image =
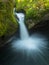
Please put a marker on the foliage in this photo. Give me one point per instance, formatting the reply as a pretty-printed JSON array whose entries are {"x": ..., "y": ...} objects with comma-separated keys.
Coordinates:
[
  {"x": 35, "y": 9},
  {"x": 8, "y": 23}
]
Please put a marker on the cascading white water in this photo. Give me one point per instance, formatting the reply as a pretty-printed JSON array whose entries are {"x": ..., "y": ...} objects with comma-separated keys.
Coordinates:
[
  {"x": 23, "y": 31},
  {"x": 29, "y": 44}
]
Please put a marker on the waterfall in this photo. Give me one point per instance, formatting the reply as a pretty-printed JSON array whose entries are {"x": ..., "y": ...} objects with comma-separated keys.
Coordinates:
[
  {"x": 23, "y": 30},
  {"x": 28, "y": 44}
]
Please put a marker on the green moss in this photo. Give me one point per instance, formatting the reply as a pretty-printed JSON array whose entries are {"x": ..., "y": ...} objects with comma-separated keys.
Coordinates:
[
  {"x": 8, "y": 23},
  {"x": 35, "y": 9}
]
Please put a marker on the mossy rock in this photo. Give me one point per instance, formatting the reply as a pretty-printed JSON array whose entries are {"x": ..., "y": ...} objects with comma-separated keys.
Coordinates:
[
  {"x": 35, "y": 10},
  {"x": 8, "y": 23}
]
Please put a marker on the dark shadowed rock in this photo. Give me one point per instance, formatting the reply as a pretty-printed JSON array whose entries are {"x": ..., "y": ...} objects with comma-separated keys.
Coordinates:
[{"x": 42, "y": 26}]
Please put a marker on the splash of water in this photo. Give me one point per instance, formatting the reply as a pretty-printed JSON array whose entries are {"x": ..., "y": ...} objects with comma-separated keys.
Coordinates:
[
  {"x": 34, "y": 46},
  {"x": 26, "y": 42}
]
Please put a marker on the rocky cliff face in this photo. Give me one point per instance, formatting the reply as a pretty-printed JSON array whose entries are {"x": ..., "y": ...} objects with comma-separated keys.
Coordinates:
[{"x": 42, "y": 26}]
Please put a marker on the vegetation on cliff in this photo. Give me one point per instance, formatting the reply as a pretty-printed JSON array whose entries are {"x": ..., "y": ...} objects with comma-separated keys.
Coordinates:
[
  {"x": 8, "y": 24},
  {"x": 35, "y": 10}
]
